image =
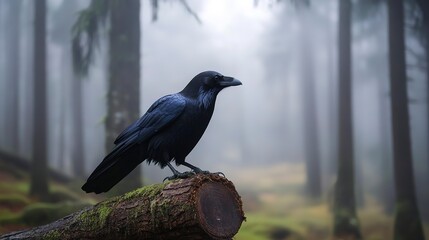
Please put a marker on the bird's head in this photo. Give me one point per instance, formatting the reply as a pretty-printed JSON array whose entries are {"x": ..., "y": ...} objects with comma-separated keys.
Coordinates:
[{"x": 207, "y": 84}]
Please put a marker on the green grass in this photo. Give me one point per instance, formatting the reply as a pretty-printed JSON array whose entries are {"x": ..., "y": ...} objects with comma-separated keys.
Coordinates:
[
  {"x": 7, "y": 217},
  {"x": 14, "y": 200},
  {"x": 18, "y": 210},
  {"x": 21, "y": 187},
  {"x": 274, "y": 202}
]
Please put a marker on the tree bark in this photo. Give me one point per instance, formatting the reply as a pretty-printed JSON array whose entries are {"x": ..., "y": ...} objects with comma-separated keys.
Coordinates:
[
  {"x": 425, "y": 9},
  {"x": 205, "y": 206},
  {"x": 123, "y": 100},
  {"x": 407, "y": 219},
  {"x": 13, "y": 69},
  {"x": 39, "y": 174},
  {"x": 63, "y": 18},
  {"x": 386, "y": 195},
  {"x": 78, "y": 157},
  {"x": 346, "y": 223},
  {"x": 311, "y": 134}
]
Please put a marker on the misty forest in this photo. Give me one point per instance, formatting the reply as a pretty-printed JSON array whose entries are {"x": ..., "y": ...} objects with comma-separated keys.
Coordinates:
[{"x": 327, "y": 138}]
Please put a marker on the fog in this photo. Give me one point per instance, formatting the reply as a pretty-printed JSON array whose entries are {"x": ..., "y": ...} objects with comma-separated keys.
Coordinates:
[{"x": 284, "y": 52}]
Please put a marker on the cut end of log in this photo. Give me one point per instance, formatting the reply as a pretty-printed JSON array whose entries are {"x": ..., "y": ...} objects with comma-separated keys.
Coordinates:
[
  {"x": 214, "y": 201},
  {"x": 220, "y": 212}
]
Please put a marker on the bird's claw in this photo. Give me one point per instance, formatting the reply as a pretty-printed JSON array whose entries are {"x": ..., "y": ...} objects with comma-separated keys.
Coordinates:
[
  {"x": 220, "y": 174},
  {"x": 197, "y": 171},
  {"x": 179, "y": 176}
]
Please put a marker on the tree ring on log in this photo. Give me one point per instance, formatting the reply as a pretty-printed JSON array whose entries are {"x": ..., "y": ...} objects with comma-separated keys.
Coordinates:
[{"x": 219, "y": 210}]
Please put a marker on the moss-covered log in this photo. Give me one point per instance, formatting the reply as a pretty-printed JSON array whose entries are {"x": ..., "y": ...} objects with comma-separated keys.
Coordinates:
[{"x": 204, "y": 206}]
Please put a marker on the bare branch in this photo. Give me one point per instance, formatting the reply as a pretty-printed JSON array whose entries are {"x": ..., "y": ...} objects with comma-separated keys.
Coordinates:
[{"x": 190, "y": 11}]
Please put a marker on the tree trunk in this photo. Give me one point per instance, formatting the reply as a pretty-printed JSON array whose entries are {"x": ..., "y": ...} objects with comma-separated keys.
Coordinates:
[
  {"x": 332, "y": 108},
  {"x": 426, "y": 16},
  {"x": 62, "y": 114},
  {"x": 123, "y": 100},
  {"x": 12, "y": 55},
  {"x": 39, "y": 173},
  {"x": 27, "y": 114},
  {"x": 63, "y": 18},
  {"x": 424, "y": 7},
  {"x": 311, "y": 136},
  {"x": 78, "y": 161},
  {"x": 386, "y": 193},
  {"x": 345, "y": 219},
  {"x": 200, "y": 207},
  {"x": 407, "y": 218},
  {"x": 68, "y": 15}
]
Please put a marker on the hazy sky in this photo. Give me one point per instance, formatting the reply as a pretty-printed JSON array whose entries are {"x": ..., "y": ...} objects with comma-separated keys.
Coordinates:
[
  {"x": 261, "y": 46},
  {"x": 177, "y": 47}
]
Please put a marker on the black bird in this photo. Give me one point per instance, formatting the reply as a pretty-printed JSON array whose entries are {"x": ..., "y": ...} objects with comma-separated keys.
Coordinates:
[{"x": 168, "y": 131}]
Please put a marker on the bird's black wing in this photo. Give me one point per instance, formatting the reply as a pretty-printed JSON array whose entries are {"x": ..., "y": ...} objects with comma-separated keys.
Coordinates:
[
  {"x": 124, "y": 157},
  {"x": 160, "y": 114}
]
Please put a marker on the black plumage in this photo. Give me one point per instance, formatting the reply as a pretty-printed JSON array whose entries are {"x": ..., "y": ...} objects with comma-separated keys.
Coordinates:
[{"x": 168, "y": 131}]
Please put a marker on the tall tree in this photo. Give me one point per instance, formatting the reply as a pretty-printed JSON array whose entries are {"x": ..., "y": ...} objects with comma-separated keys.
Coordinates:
[
  {"x": 407, "y": 218},
  {"x": 346, "y": 223},
  {"x": 64, "y": 18},
  {"x": 39, "y": 173},
  {"x": 311, "y": 136},
  {"x": 12, "y": 78},
  {"x": 423, "y": 28},
  {"x": 386, "y": 193},
  {"x": 373, "y": 11},
  {"x": 123, "y": 95}
]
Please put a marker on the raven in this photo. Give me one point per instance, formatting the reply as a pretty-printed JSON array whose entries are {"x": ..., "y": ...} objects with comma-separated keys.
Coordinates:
[{"x": 168, "y": 131}]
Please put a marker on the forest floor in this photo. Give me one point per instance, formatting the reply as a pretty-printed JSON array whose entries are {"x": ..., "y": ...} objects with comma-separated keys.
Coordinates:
[
  {"x": 276, "y": 208},
  {"x": 20, "y": 211},
  {"x": 273, "y": 198}
]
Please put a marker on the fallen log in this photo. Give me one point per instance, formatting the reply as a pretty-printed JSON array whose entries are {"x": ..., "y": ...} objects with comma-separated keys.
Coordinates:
[
  {"x": 204, "y": 206},
  {"x": 25, "y": 165}
]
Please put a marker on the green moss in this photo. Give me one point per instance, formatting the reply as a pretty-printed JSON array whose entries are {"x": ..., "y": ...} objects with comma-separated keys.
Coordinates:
[
  {"x": 145, "y": 192},
  {"x": 7, "y": 217},
  {"x": 15, "y": 187},
  {"x": 407, "y": 221},
  {"x": 96, "y": 217},
  {"x": 52, "y": 235},
  {"x": 346, "y": 223},
  {"x": 23, "y": 187},
  {"x": 261, "y": 226},
  {"x": 159, "y": 210}
]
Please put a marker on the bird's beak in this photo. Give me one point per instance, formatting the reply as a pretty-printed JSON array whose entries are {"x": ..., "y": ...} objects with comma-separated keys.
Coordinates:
[{"x": 229, "y": 81}]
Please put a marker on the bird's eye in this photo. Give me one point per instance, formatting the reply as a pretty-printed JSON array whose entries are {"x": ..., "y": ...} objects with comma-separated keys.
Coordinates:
[{"x": 217, "y": 77}]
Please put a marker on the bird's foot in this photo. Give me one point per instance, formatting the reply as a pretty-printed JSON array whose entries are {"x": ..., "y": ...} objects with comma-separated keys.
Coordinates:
[
  {"x": 179, "y": 175},
  {"x": 198, "y": 170},
  {"x": 220, "y": 174}
]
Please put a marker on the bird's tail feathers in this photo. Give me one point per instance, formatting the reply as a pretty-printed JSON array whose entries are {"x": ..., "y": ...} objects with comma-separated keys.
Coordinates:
[{"x": 114, "y": 167}]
